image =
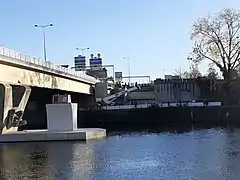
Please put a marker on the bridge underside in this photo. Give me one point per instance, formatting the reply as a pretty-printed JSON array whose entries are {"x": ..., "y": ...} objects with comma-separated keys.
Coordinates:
[
  {"x": 35, "y": 112},
  {"x": 23, "y": 107}
]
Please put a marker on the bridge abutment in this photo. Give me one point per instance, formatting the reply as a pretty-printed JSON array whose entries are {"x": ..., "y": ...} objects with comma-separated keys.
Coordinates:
[{"x": 13, "y": 100}]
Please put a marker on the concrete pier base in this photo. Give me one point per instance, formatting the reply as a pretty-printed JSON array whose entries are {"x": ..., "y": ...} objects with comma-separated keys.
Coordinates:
[
  {"x": 45, "y": 135},
  {"x": 62, "y": 126}
]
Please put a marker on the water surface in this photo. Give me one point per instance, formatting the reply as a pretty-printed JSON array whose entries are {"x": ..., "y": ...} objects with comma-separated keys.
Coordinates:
[{"x": 199, "y": 154}]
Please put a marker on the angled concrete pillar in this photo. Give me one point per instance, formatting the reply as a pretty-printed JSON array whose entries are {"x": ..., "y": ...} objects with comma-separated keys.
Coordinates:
[{"x": 13, "y": 100}]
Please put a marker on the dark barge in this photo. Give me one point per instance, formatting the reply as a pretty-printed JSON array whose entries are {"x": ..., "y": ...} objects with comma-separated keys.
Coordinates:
[{"x": 159, "y": 116}]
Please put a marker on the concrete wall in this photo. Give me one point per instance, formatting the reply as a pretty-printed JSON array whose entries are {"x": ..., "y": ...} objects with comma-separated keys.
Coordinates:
[
  {"x": 175, "y": 90},
  {"x": 13, "y": 74},
  {"x": 141, "y": 95}
]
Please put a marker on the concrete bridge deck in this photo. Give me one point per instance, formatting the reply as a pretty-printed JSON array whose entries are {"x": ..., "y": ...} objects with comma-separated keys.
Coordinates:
[{"x": 16, "y": 67}]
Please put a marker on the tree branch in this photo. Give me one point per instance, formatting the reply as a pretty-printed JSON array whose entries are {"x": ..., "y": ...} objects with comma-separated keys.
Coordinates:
[
  {"x": 236, "y": 60},
  {"x": 234, "y": 48},
  {"x": 230, "y": 41},
  {"x": 218, "y": 43},
  {"x": 238, "y": 28},
  {"x": 214, "y": 61},
  {"x": 216, "y": 39},
  {"x": 223, "y": 49}
]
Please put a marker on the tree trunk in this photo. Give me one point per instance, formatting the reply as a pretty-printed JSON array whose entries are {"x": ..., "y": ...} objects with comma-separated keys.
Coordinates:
[{"x": 226, "y": 87}]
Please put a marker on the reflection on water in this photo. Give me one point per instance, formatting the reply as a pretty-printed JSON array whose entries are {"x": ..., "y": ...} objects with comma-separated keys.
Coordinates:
[{"x": 198, "y": 154}]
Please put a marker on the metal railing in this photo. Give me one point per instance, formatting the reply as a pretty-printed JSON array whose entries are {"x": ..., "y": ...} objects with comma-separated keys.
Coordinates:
[{"x": 26, "y": 60}]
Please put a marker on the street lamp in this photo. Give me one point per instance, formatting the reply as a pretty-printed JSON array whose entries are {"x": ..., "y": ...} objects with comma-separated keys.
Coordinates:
[
  {"x": 128, "y": 58},
  {"x": 44, "y": 39},
  {"x": 189, "y": 60},
  {"x": 82, "y": 49}
]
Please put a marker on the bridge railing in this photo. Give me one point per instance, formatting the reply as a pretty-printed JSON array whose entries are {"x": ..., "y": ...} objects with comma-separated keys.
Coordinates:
[{"x": 46, "y": 65}]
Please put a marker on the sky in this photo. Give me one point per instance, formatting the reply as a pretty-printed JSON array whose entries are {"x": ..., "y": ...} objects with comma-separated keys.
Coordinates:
[{"x": 153, "y": 33}]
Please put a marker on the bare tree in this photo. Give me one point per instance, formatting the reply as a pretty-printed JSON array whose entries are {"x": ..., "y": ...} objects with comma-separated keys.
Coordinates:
[
  {"x": 193, "y": 72},
  {"x": 180, "y": 73},
  {"x": 212, "y": 73},
  {"x": 216, "y": 38}
]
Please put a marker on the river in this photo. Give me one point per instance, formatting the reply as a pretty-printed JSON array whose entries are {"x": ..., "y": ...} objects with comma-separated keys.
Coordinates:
[{"x": 204, "y": 154}]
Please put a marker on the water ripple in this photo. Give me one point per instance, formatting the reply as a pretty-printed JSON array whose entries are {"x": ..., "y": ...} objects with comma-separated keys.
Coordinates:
[{"x": 198, "y": 154}]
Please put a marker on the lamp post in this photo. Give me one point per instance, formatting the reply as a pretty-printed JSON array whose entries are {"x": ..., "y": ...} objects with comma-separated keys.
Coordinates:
[
  {"x": 128, "y": 58},
  {"x": 44, "y": 38},
  {"x": 189, "y": 62},
  {"x": 82, "y": 49}
]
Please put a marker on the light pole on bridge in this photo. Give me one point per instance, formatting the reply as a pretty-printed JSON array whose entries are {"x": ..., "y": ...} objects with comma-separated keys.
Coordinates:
[{"x": 44, "y": 38}]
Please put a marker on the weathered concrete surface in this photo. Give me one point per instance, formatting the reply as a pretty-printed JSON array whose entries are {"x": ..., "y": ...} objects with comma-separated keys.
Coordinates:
[
  {"x": 62, "y": 117},
  {"x": 18, "y": 67},
  {"x": 13, "y": 74},
  {"x": 13, "y": 101},
  {"x": 44, "y": 135}
]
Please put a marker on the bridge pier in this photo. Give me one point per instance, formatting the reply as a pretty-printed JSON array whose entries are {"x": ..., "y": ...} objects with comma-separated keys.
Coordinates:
[{"x": 13, "y": 100}]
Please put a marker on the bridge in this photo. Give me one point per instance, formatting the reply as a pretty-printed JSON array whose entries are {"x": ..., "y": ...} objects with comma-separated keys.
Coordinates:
[
  {"x": 16, "y": 67},
  {"x": 26, "y": 81}
]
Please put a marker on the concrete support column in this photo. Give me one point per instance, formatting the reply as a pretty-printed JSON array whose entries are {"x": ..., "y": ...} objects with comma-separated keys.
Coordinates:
[
  {"x": 62, "y": 117},
  {"x": 13, "y": 101}
]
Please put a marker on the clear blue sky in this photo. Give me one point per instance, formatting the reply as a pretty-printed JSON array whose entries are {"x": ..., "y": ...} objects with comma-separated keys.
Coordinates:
[{"x": 154, "y": 33}]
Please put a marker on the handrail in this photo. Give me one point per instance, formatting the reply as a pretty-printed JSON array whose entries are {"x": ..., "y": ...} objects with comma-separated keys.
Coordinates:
[{"x": 17, "y": 56}]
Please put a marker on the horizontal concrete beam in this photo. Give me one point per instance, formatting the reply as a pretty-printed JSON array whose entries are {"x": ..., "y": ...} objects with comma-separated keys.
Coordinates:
[
  {"x": 18, "y": 75},
  {"x": 13, "y": 57}
]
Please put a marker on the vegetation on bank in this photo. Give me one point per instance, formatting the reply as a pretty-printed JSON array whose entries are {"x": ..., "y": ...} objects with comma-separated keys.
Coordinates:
[{"x": 216, "y": 40}]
